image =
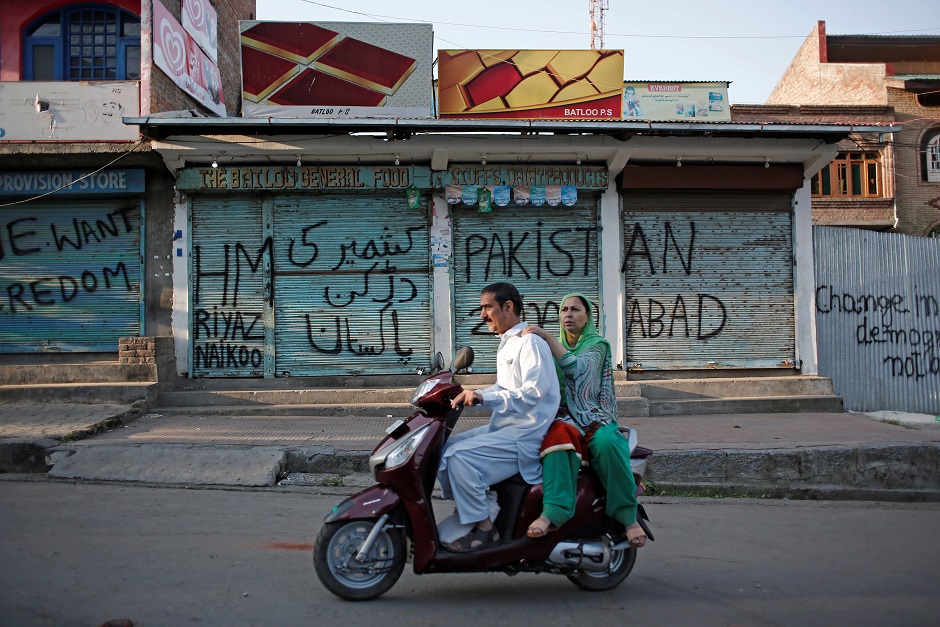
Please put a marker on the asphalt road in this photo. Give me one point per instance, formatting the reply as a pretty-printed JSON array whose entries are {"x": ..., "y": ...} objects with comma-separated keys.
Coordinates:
[{"x": 82, "y": 554}]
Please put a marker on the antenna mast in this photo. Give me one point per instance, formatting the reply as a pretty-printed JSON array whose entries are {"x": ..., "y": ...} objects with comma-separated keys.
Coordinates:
[{"x": 596, "y": 10}]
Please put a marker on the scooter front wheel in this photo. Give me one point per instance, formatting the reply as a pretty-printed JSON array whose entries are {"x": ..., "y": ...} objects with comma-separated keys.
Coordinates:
[
  {"x": 621, "y": 563},
  {"x": 334, "y": 559}
]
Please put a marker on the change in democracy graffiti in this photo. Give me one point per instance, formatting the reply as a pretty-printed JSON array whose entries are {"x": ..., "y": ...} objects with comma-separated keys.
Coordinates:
[{"x": 906, "y": 326}]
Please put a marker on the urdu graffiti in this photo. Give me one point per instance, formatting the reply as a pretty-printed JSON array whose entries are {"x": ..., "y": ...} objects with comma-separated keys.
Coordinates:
[{"x": 336, "y": 298}]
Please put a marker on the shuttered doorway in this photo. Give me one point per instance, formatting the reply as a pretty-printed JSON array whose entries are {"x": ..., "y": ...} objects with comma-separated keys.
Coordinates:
[
  {"x": 352, "y": 283},
  {"x": 230, "y": 283},
  {"x": 708, "y": 280},
  {"x": 544, "y": 251},
  {"x": 70, "y": 273}
]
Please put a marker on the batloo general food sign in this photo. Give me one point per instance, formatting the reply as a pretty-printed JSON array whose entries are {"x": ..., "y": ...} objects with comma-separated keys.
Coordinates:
[
  {"x": 531, "y": 84},
  {"x": 336, "y": 69}
]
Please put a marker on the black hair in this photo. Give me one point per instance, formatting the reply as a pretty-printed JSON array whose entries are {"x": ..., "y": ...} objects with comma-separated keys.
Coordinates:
[{"x": 503, "y": 292}]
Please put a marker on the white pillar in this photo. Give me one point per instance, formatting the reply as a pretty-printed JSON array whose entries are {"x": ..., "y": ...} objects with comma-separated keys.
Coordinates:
[
  {"x": 179, "y": 318},
  {"x": 612, "y": 296},
  {"x": 442, "y": 235},
  {"x": 804, "y": 279}
]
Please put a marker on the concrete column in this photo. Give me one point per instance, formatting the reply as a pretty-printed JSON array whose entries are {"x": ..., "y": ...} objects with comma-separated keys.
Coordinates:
[
  {"x": 442, "y": 284},
  {"x": 179, "y": 318},
  {"x": 804, "y": 281},
  {"x": 612, "y": 294}
]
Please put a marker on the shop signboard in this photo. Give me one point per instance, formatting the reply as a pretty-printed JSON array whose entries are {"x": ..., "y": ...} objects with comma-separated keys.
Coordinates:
[
  {"x": 68, "y": 111},
  {"x": 336, "y": 69},
  {"x": 202, "y": 22},
  {"x": 663, "y": 102},
  {"x": 530, "y": 84},
  {"x": 178, "y": 55}
]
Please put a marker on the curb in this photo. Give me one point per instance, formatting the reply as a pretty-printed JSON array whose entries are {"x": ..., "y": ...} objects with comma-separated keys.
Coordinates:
[{"x": 882, "y": 472}]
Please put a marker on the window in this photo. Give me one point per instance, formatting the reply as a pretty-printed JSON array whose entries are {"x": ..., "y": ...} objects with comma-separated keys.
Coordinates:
[
  {"x": 932, "y": 159},
  {"x": 89, "y": 43},
  {"x": 850, "y": 175}
]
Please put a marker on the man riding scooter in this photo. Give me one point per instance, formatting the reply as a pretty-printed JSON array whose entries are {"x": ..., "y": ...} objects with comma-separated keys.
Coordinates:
[{"x": 524, "y": 402}]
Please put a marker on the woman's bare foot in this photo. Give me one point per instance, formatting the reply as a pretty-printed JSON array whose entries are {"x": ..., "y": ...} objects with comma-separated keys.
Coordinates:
[
  {"x": 636, "y": 536},
  {"x": 539, "y": 527}
]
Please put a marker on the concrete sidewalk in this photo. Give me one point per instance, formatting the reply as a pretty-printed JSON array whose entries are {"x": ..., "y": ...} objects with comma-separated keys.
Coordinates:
[{"x": 808, "y": 455}]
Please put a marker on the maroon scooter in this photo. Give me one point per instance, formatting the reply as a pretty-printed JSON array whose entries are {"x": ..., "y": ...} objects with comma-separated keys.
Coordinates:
[{"x": 365, "y": 541}]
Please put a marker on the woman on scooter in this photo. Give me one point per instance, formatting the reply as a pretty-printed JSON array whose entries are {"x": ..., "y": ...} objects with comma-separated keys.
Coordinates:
[{"x": 583, "y": 362}]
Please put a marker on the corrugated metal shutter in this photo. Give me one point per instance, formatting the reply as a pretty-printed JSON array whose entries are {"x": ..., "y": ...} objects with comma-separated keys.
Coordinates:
[
  {"x": 878, "y": 318},
  {"x": 70, "y": 275},
  {"x": 708, "y": 280},
  {"x": 544, "y": 251},
  {"x": 230, "y": 268},
  {"x": 353, "y": 285}
]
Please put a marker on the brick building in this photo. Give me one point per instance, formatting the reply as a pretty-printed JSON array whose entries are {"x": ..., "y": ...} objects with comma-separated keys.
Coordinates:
[
  {"x": 86, "y": 205},
  {"x": 884, "y": 181}
]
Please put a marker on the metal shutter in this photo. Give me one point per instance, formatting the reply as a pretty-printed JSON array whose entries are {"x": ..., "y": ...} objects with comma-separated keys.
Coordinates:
[
  {"x": 353, "y": 285},
  {"x": 708, "y": 280},
  {"x": 230, "y": 267},
  {"x": 70, "y": 273},
  {"x": 544, "y": 251}
]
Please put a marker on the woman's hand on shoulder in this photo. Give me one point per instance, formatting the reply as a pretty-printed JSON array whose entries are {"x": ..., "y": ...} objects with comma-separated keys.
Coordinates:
[{"x": 539, "y": 331}]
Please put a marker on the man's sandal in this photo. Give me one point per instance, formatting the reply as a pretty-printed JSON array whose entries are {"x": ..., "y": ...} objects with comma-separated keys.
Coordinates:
[{"x": 473, "y": 541}]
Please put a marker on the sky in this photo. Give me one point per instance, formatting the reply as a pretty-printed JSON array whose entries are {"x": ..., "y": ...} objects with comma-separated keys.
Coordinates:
[{"x": 747, "y": 42}]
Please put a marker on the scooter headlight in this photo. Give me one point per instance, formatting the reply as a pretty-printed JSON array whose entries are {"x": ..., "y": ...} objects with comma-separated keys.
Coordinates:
[
  {"x": 423, "y": 388},
  {"x": 404, "y": 449}
]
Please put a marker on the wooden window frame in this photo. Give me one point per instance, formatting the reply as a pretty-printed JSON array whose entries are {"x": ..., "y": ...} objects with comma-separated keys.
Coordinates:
[{"x": 856, "y": 174}]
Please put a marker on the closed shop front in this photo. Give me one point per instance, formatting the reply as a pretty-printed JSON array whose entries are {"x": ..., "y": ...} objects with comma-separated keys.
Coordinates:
[
  {"x": 546, "y": 251},
  {"x": 309, "y": 271},
  {"x": 70, "y": 262},
  {"x": 708, "y": 279}
]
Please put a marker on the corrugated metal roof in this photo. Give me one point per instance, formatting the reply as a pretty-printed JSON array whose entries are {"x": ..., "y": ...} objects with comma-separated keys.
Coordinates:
[{"x": 916, "y": 77}]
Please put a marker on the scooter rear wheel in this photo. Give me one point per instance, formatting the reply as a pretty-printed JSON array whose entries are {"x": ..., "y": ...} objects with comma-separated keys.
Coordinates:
[
  {"x": 334, "y": 559},
  {"x": 621, "y": 563}
]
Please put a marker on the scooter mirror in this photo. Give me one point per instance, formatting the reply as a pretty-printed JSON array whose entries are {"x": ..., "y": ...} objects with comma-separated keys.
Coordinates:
[
  {"x": 437, "y": 364},
  {"x": 463, "y": 358}
]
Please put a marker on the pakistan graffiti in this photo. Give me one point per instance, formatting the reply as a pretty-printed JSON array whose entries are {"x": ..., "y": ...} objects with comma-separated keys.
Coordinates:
[
  {"x": 38, "y": 248},
  {"x": 530, "y": 254},
  {"x": 906, "y": 326},
  {"x": 700, "y": 316}
]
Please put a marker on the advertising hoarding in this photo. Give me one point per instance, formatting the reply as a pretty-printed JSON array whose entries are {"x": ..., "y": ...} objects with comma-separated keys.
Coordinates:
[
  {"x": 68, "y": 111},
  {"x": 180, "y": 57},
  {"x": 202, "y": 22},
  {"x": 676, "y": 101},
  {"x": 336, "y": 69},
  {"x": 530, "y": 84}
]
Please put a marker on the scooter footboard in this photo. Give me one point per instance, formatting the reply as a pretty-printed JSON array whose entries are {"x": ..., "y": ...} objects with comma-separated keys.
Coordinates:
[{"x": 370, "y": 503}]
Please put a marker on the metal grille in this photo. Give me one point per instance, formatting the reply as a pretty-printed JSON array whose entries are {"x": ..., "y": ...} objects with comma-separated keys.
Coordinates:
[
  {"x": 92, "y": 40},
  {"x": 708, "y": 280},
  {"x": 544, "y": 251},
  {"x": 878, "y": 318},
  {"x": 352, "y": 285},
  {"x": 70, "y": 276}
]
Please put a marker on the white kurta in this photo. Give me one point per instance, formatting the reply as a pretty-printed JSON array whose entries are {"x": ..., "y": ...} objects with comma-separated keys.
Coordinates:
[{"x": 524, "y": 402}]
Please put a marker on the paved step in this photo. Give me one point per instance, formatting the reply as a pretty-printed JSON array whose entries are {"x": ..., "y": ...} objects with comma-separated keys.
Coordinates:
[
  {"x": 118, "y": 393},
  {"x": 677, "y": 389},
  {"x": 746, "y": 405},
  {"x": 625, "y": 407},
  {"x": 31, "y": 374}
]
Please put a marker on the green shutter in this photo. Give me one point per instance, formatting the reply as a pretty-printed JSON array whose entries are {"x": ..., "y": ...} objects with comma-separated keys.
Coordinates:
[{"x": 70, "y": 275}]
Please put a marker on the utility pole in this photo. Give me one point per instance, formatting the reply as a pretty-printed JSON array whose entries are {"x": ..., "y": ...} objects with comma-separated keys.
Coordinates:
[{"x": 596, "y": 10}]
